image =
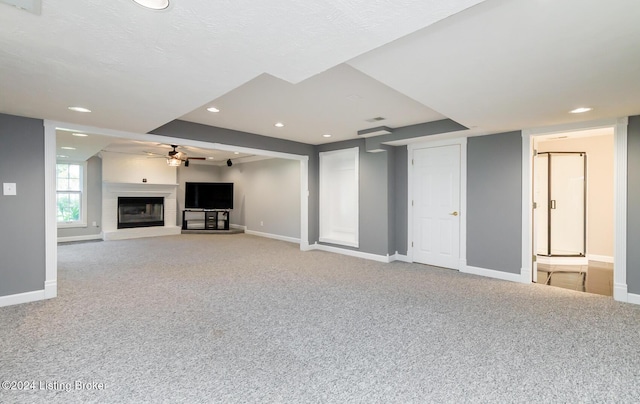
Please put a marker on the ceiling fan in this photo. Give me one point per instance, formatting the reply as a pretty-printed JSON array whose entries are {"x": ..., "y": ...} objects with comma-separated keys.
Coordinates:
[{"x": 175, "y": 158}]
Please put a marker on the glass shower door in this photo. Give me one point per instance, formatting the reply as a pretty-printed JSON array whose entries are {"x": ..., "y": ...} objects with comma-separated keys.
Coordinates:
[{"x": 565, "y": 204}]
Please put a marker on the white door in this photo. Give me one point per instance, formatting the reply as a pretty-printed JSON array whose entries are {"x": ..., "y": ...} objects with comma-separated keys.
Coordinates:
[{"x": 436, "y": 206}]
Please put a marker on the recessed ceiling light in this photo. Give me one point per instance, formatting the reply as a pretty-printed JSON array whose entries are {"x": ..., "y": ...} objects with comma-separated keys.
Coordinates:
[
  {"x": 62, "y": 156},
  {"x": 213, "y": 109},
  {"x": 580, "y": 110},
  {"x": 79, "y": 134},
  {"x": 154, "y": 4},
  {"x": 326, "y": 135},
  {"x": 79, "y": 109},
  {"x": 237, "y": 152},
  {"x": 68, "y": 148},
  {"x": 279, "y": 125},
  {"x": 210, "y": 158}
]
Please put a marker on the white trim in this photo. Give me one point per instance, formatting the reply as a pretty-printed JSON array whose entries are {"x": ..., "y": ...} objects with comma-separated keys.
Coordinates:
[
  {"x": 620, "y": 196},
  {"x": 351, "y": 253},
  {"x": 600, "y": 258},
  {"x": 399, "y": 257},
  {"x": 462, "y": 142},
  {"x": 80, "y": 238},
  {"x": 20, "y": 298},
  {"x": 50, "y": 217},
  {"x": 492, "y": 273},
  {"x": 140, "y": 232},
  {"x": 620, "y": 290},
  {"x": 50, "y": 289},
  {"x": 238, "y": 226},
  {"x": 541, "y": 259},
  {"x": 633, "y": 298},
  {"x": 304, "y": 202},
  {"x": 273, "y": 236},
  {"x": 328, "y": 233}
]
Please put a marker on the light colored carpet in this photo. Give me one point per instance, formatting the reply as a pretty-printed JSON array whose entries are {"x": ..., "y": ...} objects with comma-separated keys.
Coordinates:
[{"x": 239, "y": 318}]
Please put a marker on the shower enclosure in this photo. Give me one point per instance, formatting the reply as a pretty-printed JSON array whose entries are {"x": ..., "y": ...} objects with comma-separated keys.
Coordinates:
[{"x": 560, "y": 197}]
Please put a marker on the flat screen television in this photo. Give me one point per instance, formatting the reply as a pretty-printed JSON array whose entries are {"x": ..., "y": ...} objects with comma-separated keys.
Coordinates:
[{"x": 208, "y": 195}]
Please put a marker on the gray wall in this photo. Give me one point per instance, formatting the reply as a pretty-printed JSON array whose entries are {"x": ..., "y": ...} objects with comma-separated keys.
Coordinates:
[
  {"x": 267, "y": 196},
  {"x": 633, "y": 205},
  {"x": 194, "y": 173},
  {"x": 494, "y": 201},
  {"x": 94, "y": 202},
  {"x": 22, "y": 241}
]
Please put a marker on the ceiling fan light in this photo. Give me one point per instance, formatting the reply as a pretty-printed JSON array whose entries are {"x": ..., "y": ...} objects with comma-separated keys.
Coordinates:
[{"x": 173, "y": 162}]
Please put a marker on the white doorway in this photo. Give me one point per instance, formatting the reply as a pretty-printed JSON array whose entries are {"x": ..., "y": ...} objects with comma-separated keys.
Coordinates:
[
  {"x": 436, "y": 199},
  {"x": 617, "y": 187}
]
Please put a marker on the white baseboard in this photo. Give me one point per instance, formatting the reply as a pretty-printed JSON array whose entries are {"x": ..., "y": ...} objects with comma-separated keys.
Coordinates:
[
  {"x": 20, "y": 298},
  {"x": 273, "y": 236},
  {"x": 400, "y": 257},
  {"x": 562, "y": 260},
  {"x": 80, "y": 238},
  {"x": 138, "y": 232},
  {"x": 621, "y": 294},
  {"x": 304, "y": 246},
  {"x": 237, "y": 226},
  {"x": 492, "y": 273},
  {"x": 600, "y": 258},
  {"x": 50, "y": 289},
  {"x": 351, "y": 253},
  {"x": 633, "y": 298}
]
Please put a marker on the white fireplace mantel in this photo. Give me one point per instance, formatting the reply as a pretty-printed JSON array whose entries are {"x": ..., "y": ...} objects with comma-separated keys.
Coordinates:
[{"x": 112, "y": 190}]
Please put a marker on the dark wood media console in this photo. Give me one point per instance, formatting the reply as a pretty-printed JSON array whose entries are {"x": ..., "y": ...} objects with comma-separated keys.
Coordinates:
[{"x": 215, "y": 219}]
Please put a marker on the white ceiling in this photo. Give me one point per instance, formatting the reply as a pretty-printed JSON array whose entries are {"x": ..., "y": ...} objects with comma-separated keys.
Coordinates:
[{"x": 321, "y": 66}]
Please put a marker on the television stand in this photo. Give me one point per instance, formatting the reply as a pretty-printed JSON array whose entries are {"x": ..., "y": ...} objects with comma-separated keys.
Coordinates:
[{"x": 209, "y": 220}]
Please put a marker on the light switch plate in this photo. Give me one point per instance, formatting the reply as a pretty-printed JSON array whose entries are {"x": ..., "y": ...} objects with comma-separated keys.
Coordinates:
[{"x": 9, "y": 188}]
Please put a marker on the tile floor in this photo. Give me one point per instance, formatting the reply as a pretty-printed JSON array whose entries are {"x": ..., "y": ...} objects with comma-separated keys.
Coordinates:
[{"x": 597, "y": 277}]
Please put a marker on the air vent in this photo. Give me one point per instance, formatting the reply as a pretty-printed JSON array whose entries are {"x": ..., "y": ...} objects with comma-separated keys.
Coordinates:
[
  {"x": 32, "y": 6},
  {"x": 376, "y": 119}
]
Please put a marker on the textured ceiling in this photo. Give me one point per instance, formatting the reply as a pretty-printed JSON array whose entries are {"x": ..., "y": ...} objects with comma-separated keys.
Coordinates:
[
  {"x": 137, "y": 69},
  {"x": 322, "y": 66}
]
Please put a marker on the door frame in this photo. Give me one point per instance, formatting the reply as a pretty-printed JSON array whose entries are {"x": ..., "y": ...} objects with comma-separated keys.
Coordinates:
[
  {"x": 619, "y": 125},
  {"x": 411, "y": 147}
]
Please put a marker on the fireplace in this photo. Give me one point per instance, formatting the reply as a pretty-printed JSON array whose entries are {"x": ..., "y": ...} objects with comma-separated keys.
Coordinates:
[{"x": 140, "y": 212}]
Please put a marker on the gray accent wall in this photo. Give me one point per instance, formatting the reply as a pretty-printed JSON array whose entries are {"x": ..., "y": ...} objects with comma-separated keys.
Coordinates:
[
  {"x": 267, "y": 196},
  {"x": 22, "y": 241},
  {"x": 94, "y": 202},
  {"x": 494, "y": 202},
  {"x": 633, "y": 205}
]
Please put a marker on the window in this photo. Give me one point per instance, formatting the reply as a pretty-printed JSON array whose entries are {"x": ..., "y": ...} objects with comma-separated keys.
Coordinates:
[
  {"x": 70, "y": 195},
  {"x": 339, "y": 197}
]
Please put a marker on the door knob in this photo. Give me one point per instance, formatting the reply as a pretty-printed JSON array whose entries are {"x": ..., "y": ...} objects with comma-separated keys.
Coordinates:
[{"x": 454, "y": 213}]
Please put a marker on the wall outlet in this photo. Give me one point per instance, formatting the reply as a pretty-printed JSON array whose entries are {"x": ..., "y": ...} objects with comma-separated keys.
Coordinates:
[
  {"x": 261, "y": 223},
  {"x": 94, "y": 224}
]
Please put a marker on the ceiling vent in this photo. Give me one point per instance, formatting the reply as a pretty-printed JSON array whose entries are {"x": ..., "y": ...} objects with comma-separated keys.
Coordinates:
[
  {"x": 32, "y": 6},
  {"x": 376, "y": 119}
]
